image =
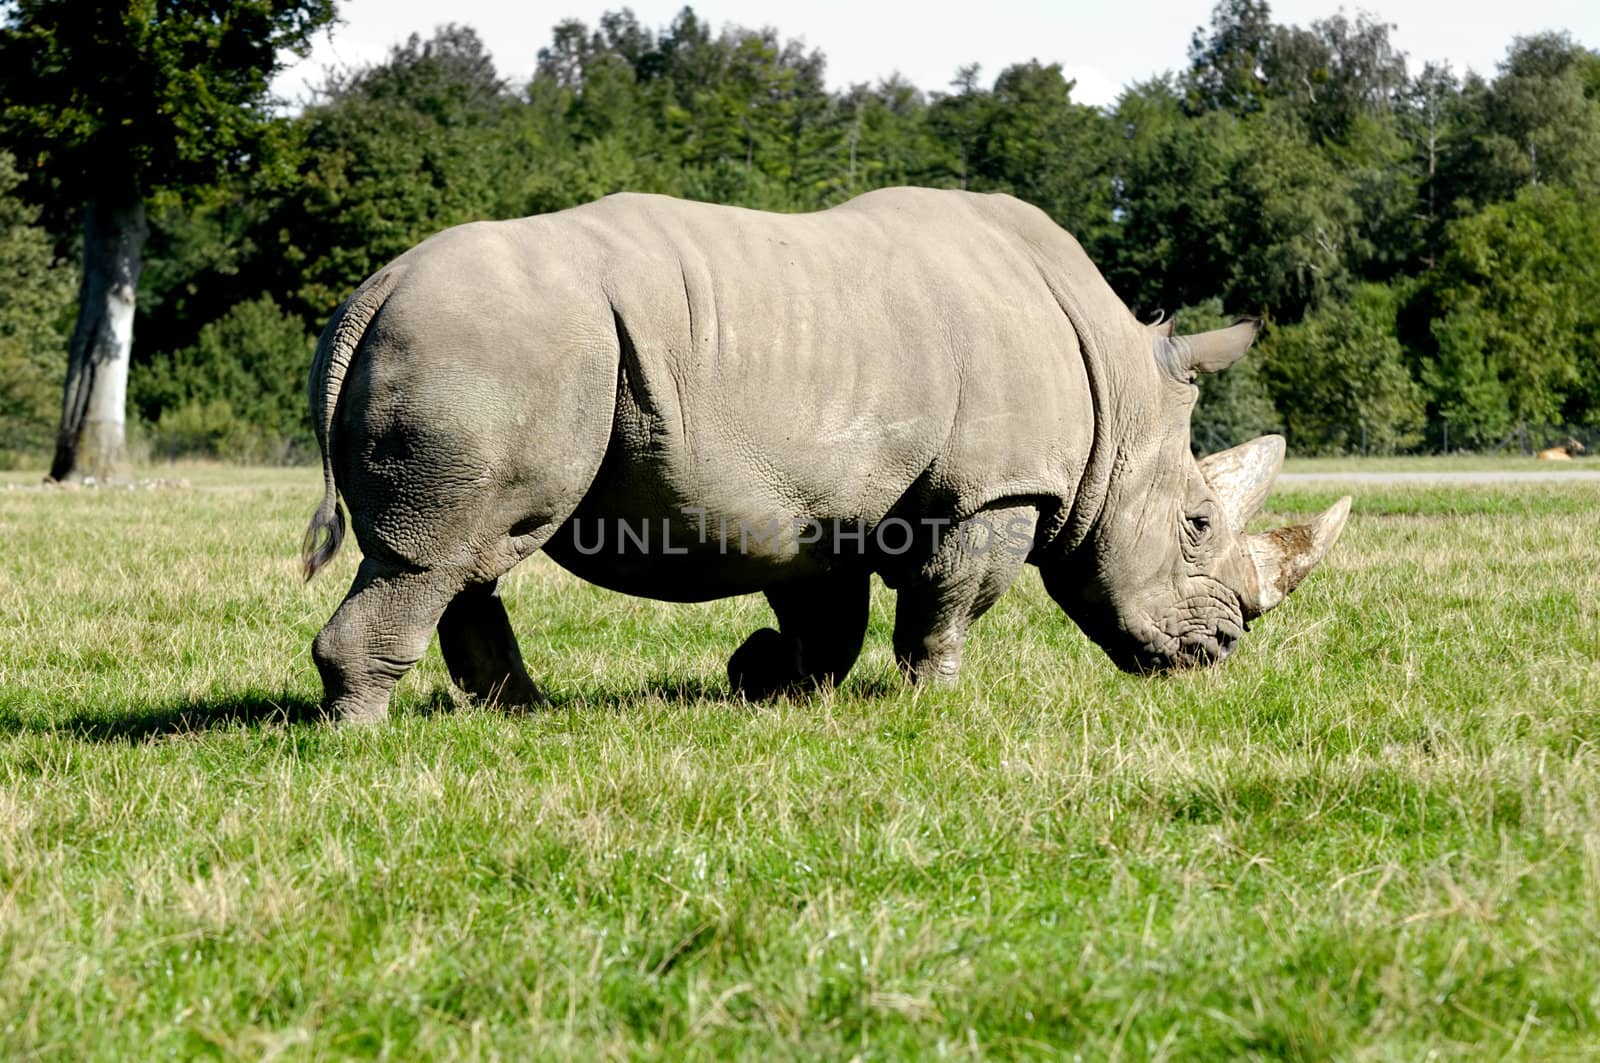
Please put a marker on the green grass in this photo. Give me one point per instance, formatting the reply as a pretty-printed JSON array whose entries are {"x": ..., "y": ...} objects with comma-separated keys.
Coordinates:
[{"x": 1374, "y": 832}]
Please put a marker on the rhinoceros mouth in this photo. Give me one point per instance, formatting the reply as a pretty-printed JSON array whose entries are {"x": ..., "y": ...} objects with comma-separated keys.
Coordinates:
[
  {"x": 1182, "y": 657},
  {"x": 1195, "y": 643}
]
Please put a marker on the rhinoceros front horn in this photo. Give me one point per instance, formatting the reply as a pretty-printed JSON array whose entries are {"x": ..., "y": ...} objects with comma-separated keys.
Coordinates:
[
  {"x": 1283, "y": 556},
  {"x": 1243, "y": 476}
]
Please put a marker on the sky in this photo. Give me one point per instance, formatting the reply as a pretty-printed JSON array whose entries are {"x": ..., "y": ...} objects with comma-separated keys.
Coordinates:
[{"x": 1103, "y": 44}]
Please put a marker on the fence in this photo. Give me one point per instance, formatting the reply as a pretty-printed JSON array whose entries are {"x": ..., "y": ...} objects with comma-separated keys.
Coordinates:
[{"x": 1437, "y": 437}]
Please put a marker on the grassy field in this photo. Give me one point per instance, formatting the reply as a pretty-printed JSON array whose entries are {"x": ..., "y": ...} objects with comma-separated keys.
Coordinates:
[
  {"x": 1440, "y": 463},
  {"x": 1373, "y": 833}
]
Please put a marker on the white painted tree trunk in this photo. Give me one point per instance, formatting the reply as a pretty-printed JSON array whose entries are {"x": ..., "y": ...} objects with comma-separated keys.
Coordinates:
[{"x": 92, "y": 437}]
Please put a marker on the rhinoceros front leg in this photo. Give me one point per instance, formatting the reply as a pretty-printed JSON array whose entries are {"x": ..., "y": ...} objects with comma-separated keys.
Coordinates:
[
  {"x": 936, "y": 605},
  {"x": 821, "y": 623},
  {"x": 480, "y": 649}
]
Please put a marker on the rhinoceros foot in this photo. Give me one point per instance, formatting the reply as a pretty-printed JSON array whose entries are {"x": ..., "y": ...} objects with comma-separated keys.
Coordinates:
[
  {"x": 823, "y": 620},
  {"x": 769, "y": 664}
]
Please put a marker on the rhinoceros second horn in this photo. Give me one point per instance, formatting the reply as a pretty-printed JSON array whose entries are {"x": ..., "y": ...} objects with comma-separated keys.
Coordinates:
[{"x": 1285, "y": 556}]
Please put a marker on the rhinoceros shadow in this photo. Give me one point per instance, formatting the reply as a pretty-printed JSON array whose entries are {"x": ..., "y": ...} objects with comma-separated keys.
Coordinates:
[
  {"x": 254, "y": 708},
  {"x": 614, "y": 697},
  {"x": 187, "y": 716},
  {"x": 680, "y": 689}
]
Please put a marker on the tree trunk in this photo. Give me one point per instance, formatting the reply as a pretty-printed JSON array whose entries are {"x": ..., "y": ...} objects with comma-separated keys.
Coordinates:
[{"x": 91, "y": 438}]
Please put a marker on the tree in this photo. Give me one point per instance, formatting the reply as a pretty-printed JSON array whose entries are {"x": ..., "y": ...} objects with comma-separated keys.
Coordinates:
[
  {"x": 741, "y": 117},
  {"x": 1247, "y": 210},
  {"x": 1515, "y": 309},
  {"x": 889, "y": 141},
  {"x": 1225, "y": 64},
  {"x": 779, "y": 119},
  {"x": 1170, "y": 174},
  {"x": 449, "y": 77},
  {"x": 957, "y": 120},
  {"x": 1334, "y": 74},
  {"x": 1537, "y": 123},
  {"x": 1428, "y": 109},
  {"x": 1039, "y": 145},
  {"x": 115, "y": 100},
  {"x": 393, "y": 154},
  {"x": 1339, "y": 377},
  {"x": 1292, "y": 218}
]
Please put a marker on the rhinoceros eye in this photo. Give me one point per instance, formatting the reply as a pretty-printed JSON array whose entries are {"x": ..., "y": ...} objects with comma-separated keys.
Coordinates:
[{"x": 1198, "y": 524}]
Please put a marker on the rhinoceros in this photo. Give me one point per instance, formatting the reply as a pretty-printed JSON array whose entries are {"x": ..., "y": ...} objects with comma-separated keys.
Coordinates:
[{"x": 688, "y": 402}]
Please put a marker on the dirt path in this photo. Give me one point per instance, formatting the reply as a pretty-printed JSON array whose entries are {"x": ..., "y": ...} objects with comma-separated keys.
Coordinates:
[{"x": 1446, "y": 477}]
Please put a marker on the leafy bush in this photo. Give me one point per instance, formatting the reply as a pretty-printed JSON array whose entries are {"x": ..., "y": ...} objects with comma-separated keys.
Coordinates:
[
  {"x": 238, "y": 393},
  {"x": 213, "y": 429},
  {"x": 35, "y": 308}
]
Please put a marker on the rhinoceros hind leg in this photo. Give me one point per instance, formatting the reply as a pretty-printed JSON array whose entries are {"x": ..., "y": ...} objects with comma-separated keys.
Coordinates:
[
  {"x": 480, "y": 649},
  {"x": 821, "y": 626},
  {"x": 935, "y": 606},
  {"x": 376, "y": 635}
]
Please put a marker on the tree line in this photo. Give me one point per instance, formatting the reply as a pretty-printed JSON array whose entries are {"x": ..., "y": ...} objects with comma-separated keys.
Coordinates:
[{"x": 1424, "y": 245}]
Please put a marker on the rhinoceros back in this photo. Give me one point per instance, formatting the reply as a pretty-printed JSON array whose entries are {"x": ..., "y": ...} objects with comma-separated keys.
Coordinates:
[
  {"x": 827, "y": 364},
  {"x": 899, "y": 354}
]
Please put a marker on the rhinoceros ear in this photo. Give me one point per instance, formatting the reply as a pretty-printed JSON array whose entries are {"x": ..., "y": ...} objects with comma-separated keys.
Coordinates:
[
  {"x": 1243, "y": 476},
  {"x": 1161, "y": 324},
  {"x": 1207, "y": 352}
]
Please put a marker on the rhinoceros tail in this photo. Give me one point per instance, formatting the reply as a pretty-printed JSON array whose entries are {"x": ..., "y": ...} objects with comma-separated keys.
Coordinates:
[{"x": 335, "y": 350}]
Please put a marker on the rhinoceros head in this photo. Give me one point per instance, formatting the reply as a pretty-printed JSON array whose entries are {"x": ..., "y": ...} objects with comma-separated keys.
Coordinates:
[{"x": 1168, "y": 577}]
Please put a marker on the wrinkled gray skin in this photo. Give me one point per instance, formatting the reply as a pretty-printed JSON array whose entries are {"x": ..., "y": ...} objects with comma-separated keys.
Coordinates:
[{"x": 937, "y": 356}]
